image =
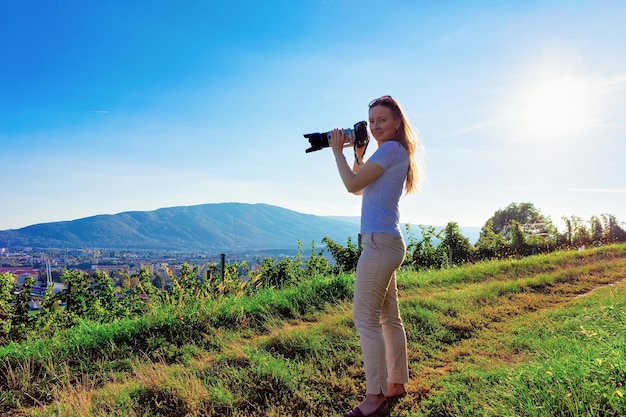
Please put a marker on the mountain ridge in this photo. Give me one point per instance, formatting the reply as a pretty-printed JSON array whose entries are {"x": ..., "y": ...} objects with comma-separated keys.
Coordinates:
[{"x": 206, "y": 227}]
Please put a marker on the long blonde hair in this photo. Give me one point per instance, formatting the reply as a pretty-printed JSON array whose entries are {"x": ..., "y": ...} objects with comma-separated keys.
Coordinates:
[{"x": 407, "y": 137}]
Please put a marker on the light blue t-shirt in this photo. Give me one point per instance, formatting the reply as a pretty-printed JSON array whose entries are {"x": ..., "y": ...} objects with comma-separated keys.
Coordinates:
[{"x": 380, "y": 210}]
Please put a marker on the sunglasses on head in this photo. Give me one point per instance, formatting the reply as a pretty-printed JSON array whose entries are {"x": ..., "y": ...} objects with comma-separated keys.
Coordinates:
[{"x": 381, "y": 100}]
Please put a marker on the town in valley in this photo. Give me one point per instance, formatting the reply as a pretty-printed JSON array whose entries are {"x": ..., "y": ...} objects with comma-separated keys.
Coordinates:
[{"x": 46, "y": 266}]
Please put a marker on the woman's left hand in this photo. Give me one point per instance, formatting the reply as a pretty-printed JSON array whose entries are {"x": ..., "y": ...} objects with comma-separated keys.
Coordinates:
[{"x": 337, "y": 139}]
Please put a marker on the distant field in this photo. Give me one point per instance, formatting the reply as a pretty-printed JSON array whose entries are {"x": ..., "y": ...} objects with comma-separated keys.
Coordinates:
[{"x": 539, "y": 336}]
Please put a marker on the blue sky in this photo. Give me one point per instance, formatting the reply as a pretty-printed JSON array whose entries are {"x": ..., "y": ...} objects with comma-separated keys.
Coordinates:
[{"x": 117, "y": 106}]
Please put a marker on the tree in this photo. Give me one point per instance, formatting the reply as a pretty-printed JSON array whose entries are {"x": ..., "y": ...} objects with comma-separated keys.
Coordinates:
[
  {"x": 541, "y": 244},
  {"x": 188, "y": 278},
  {"x": 518, "y": 240},
  {"x": 78, "y": 295},
  {"x": 279, "y": 273},
  {"x": 346, "y": 257},
  {"x": 490, "y": 245},
  {"x": 457, "y": 246},
  {"x": 106, "y": 297},
  {"x": 316, "y": 264},
  {"x": 425, "y": 253},
  {"x": 613, "y": 232},
  {"x": 597, "y": 231},
  {"x": 581, "y": 235},
  {"x": 158, "y": 282},
  {"x": 565, "y": 240},
  {"x": 20, "y": 318},
  {"x": 138, "y": 298},
  {"x": 7, "y": 281},
  {"x": 48, "y": 320},
  {"x": 523, "y": 213},
  {"x": 524, "y": 230},
  {"x": 238, "y": 279}
]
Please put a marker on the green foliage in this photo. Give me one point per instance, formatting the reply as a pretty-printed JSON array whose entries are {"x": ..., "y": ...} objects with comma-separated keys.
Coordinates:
[
  {"x": 187, "y": 279},
  {"x": 424, "y": 253},
  {"x": 452, "y": 248},
  {"x": 290, "y": 271},
  {"x": 518, "y": 240},
  {"x": 48, "y": 321},
  {"x": 280, "y": 273},
  {"x": 20, "y": 319},
  {"x": 491, "y": 245},
  {"x": 518, "y": 230},
  {"x": 597, "y": 232},
  {"x": 523, "y": 214},
  {"x": 139, "y": 298},
  {"x": 183, "y": 286},
  {"x": 317, "y": 264},
  {"x": 581, "y": 235},
  {"x": 601, "y": 230},
  {"x": 474, "y": 344},
  {"x": 459, "y": 248},
  {"x": 100, "y": 298},
  {"x": 96, "y": 298},
  {"x": 346, "y": 257},
  {"x": 7, "y": 281},
  {"x": 613, "y": 233},
  {"x": 172, "y": 333},
  {"x": 233, "y": 283},
  {"x": 107, "y": 297},
  {"x": 78, "y": 296}
]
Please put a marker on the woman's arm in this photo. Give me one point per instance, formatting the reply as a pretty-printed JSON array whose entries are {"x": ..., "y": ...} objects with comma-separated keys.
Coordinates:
[{"x": 359, "y": 176}]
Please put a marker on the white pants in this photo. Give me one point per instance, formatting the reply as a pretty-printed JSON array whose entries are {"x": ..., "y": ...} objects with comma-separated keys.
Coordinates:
[{"x": 376, "y": 313}]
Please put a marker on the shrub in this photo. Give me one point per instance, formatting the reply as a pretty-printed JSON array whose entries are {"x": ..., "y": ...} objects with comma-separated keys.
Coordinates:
[{"x": 346, "y": 257}]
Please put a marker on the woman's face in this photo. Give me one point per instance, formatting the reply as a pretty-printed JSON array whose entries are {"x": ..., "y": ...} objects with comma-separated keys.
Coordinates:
[{"x": 382, "y": 124}]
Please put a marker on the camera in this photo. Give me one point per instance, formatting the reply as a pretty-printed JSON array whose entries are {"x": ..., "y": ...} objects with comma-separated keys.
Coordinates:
[{"x": 356, "y": 136}]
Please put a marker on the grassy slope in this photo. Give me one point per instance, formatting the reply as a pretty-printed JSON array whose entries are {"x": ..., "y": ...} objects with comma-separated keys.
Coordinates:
[{"x": 539, "y": 336}]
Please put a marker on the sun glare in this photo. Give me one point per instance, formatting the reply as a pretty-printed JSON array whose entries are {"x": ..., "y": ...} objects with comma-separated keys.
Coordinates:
[{"x": 548, "y": 107}]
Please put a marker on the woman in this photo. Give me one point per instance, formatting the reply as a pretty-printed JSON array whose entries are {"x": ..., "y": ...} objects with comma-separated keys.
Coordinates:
[{"x": 380, "y": 181}]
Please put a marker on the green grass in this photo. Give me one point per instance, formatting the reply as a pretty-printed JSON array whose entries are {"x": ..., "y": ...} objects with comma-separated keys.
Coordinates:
[
  {"x": 581, "y": 366},
  {"x": 567, "y": 361},
  {"x": 539, "y": 336}
]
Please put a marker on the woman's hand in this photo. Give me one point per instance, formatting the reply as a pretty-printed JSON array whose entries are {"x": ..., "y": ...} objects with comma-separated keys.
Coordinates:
[{"x": 337, "y": 138}]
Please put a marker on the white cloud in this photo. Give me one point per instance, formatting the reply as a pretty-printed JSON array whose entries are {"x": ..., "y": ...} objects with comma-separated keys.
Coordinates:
[{"x": 598, "y": 190}]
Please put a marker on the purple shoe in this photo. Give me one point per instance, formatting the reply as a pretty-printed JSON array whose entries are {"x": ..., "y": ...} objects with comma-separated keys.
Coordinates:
[{"x": 356, "y": 412}]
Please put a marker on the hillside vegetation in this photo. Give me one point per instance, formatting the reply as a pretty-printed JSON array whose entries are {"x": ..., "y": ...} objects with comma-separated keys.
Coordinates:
[{"x": 538, "y": 336}]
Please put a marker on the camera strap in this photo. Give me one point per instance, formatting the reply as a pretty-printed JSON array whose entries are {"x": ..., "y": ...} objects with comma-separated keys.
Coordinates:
[{"x": 367, "y": 142}]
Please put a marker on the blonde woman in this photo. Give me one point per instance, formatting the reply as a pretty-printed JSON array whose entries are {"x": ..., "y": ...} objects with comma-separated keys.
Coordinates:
[{"x": 380, "y": 181}]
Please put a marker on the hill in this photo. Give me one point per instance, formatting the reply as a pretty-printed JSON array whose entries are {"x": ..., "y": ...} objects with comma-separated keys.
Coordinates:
[
  {"x": 232, "y": 227},
  {"x": 207, "y": 227},
  {"x": 540, "y": 336}
]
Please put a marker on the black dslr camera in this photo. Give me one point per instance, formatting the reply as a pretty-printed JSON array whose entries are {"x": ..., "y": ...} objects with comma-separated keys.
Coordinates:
[{"x": 357, "y": 137}]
